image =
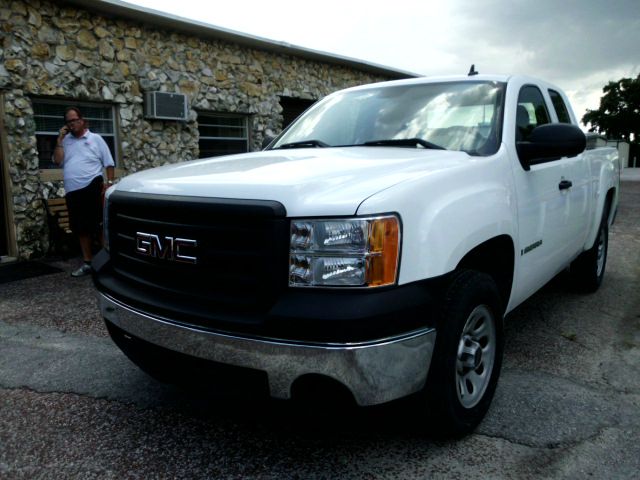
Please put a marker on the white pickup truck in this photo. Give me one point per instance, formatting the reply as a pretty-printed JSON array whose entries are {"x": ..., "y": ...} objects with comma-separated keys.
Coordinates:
[{"x": 377, "y": 244}]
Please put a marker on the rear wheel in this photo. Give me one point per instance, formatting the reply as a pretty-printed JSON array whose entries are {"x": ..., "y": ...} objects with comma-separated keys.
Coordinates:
[
  {"x": 467, "y": 357},
  {"x": 587, "y": 271}
]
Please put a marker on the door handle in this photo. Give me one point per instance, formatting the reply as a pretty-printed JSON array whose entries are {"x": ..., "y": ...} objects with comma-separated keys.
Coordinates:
[{"x": 564, "y": 184}]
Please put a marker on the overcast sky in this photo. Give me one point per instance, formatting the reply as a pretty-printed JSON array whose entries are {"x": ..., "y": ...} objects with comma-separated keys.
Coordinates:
[{"x": 578, "y": 45}]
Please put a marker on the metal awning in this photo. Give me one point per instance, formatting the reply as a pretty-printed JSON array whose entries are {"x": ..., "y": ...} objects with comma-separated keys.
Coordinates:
[{"x": 154, "y": 18}]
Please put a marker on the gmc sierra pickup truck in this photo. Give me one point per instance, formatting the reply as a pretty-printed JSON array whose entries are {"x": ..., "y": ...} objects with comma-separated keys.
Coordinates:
[{"x": 378, "y": 242}]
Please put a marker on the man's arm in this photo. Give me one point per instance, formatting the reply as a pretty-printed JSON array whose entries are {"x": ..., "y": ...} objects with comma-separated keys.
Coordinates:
[
  {"x": 58, "y": 151},
  {"x": 107, "y": 161},
  {"x": 110, "y": 175}
]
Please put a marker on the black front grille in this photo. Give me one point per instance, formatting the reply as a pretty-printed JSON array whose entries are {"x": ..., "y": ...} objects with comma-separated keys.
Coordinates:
[{"x": 241, "y": 252}]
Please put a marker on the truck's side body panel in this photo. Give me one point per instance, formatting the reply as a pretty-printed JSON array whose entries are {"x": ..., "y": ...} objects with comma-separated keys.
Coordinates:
[{"x": 554, "y": 223}]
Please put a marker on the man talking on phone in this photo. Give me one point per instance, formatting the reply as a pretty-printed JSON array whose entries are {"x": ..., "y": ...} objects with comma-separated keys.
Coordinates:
[{"x": 83, "y": 155}]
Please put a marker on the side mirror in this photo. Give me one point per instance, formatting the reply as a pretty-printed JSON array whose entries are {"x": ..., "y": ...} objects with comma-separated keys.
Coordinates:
[
  {"x": 266, "y": 141},
  {"x": 551, "y": 142}
]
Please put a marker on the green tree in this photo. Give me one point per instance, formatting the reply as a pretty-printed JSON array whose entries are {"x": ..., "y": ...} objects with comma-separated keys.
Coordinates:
[{"x": 619, "y": 114}]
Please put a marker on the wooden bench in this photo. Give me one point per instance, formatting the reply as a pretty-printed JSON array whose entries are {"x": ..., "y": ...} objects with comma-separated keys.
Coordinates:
[
  {"x": 57, "y": 208},
  {"x": 61, "y": 239}
]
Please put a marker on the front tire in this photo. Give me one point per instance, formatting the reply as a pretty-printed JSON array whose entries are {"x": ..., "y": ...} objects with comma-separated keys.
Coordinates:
[{"x": 467, "y": 357}]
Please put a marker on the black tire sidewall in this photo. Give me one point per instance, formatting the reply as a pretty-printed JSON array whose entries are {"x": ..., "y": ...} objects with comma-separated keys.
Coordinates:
[
  {"x": 584, "y": 270},
  {"x": 597, "y": 278},
  {"x": 467, "y": 290}
]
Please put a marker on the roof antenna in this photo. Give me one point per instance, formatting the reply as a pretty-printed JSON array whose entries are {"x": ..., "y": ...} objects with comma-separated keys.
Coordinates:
[{"x": 472, "y": 70}]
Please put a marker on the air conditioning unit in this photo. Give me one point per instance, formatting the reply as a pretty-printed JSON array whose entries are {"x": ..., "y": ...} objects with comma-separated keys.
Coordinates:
[{"x": 166, "y": 106}]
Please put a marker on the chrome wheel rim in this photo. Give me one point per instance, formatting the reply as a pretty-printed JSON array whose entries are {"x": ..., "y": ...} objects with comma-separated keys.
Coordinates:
[
  {"x": 601, "y": 252},
  {"x": 476, "y": 356}
]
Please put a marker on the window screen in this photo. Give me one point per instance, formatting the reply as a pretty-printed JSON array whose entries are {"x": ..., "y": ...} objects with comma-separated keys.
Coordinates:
[
  {"x": 49, "y": 118},
  {"x": 222, "y": 134}
]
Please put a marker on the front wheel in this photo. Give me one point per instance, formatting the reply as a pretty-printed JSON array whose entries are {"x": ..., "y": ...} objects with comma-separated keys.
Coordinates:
[{"x": 467, "y": 357}]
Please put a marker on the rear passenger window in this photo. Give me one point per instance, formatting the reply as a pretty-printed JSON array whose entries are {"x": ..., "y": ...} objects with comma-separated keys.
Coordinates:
[
  {"x": 560, "y": 107},
  {"x": 531, "y": 111}
]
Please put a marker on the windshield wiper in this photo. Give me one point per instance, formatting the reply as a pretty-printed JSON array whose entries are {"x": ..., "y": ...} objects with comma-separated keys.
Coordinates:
[
  {"x": 304, "y": 144},
  {"x": 403, "y": 142}
]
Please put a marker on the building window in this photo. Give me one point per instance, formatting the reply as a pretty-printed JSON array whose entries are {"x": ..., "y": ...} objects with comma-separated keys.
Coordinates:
[
  {"x": 49, "y": 118},
  {"x": 292, "y": 108},
  {"x": 222, "y": 134}
]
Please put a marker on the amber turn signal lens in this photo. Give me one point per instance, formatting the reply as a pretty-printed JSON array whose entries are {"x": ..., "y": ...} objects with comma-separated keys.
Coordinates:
[{"x": 384, "y": 245}]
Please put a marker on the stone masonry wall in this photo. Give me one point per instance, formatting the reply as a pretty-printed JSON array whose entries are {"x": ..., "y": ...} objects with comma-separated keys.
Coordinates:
[{"x": 52, "y": 50}]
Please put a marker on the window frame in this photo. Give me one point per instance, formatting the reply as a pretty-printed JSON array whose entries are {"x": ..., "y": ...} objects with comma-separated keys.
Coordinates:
[
  {"x": 556, "y": 98},
  {"x": 520, "y": 102},
  {"x": 54, "y": 172},
  {"x": 206, "y": 115},
  {"x": 544, "y": 103}
]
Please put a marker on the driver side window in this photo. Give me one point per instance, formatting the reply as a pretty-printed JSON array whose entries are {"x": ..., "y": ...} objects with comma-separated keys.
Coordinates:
[{"x": 531, "y": 112}]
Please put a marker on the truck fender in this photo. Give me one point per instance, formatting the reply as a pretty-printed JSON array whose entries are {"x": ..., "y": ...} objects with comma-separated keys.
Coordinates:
[
  {"x": 458, "y": 225},
  {"x": 606, "y": 195},
  {"x": 445, "y": 225}
]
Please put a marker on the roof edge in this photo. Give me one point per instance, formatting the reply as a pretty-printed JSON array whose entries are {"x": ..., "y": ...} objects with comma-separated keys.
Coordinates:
[{"x": 155, "y": 18}]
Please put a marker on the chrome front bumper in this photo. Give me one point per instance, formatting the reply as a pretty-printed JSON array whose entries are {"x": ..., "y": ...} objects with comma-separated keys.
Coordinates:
[{"x": 376, "y": 372}]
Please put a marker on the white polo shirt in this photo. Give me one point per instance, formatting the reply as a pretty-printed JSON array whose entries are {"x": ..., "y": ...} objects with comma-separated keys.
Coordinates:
[{"x": 84, "y": 159}]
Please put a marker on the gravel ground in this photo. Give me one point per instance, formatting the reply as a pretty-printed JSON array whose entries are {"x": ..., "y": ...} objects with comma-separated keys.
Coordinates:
[
  {"x": 56, "y": 301},
  {"x": 93, "y": 438}
]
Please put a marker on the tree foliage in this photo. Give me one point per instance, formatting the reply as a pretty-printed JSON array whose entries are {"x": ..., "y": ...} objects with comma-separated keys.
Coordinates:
[{"x": 619, "y": 114}]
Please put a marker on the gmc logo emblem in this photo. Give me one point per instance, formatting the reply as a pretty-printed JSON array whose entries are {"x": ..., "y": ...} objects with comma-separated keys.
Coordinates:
[{"x": 168, "y": 248}]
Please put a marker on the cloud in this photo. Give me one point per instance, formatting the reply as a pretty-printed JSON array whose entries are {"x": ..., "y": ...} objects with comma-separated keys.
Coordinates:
[
  {"x": 578, "y": 45},
  {"x": 554, "y": 39}
]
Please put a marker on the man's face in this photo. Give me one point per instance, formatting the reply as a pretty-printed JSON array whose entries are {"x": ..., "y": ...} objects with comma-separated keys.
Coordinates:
[{"x": 74, "y": 123}]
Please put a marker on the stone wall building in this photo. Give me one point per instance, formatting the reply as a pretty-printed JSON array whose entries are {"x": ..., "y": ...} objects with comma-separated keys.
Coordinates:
[{"x": 106, "y": 57}]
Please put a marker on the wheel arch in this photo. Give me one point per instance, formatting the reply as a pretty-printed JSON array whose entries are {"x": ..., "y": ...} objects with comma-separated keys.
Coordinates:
[
  {"x": 608, "y": 208},
  {"x": 496, "y": 258}
]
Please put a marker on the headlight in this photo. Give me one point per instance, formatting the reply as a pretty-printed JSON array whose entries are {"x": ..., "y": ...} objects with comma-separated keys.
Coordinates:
[{"x": 344, "y": 252}]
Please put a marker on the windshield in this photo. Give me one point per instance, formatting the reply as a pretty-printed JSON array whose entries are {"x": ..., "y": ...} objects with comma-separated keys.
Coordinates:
[{"x": 463, "y": 116}]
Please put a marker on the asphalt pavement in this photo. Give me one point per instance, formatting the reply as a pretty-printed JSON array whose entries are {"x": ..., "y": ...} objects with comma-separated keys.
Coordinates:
[{"x": 567, "y": 405}]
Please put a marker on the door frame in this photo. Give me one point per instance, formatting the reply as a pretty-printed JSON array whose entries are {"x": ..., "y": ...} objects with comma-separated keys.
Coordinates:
[{"x": 8, "y": 230}]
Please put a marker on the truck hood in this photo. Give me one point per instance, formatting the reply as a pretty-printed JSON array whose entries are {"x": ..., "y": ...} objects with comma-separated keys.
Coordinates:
[{"x": 318, "y": 181}]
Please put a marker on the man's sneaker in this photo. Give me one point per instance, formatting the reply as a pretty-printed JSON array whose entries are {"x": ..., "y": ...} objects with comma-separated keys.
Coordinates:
[{"x": 85, "y": 269}]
